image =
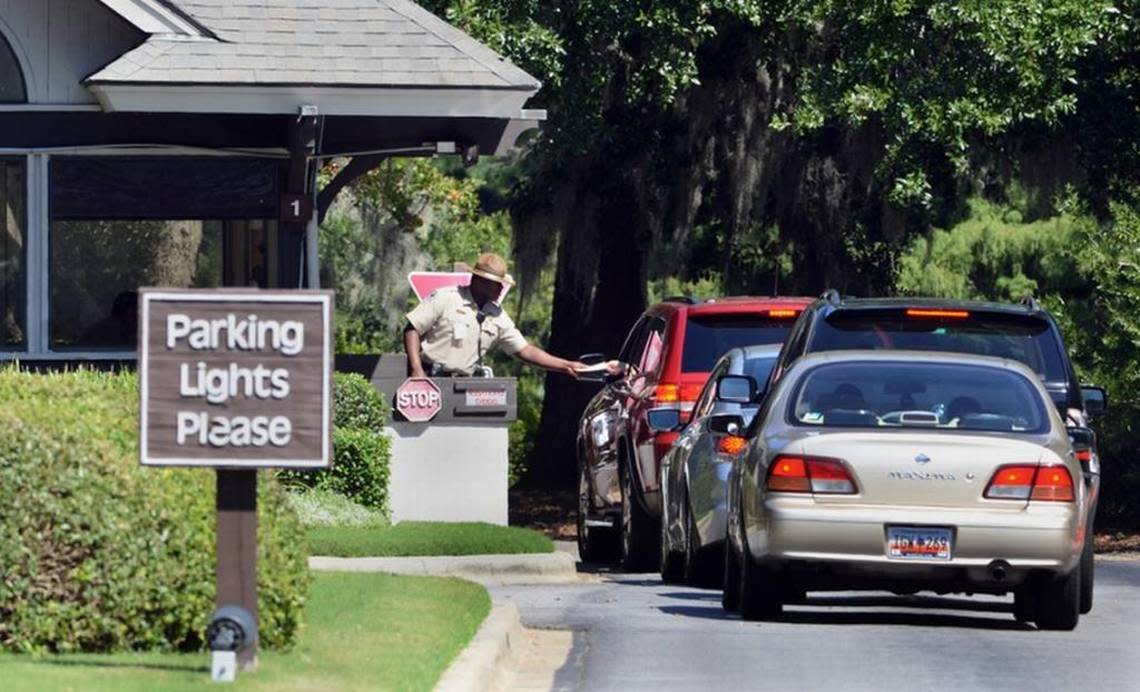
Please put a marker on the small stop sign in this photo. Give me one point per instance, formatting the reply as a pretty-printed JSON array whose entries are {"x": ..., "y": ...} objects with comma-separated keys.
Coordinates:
[{"x": 418, "y": 399}]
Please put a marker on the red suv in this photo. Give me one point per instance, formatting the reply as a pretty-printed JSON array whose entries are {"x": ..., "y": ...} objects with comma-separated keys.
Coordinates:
[{"x": 668, "y": 356}]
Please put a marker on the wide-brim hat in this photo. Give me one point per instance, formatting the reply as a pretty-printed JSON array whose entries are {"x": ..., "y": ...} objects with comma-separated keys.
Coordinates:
[{"x": 493, "y": 268}]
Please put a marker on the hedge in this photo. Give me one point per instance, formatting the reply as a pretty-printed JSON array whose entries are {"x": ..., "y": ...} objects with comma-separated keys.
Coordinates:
[
  {"x": 356, "y": 403},
  {"x": 361, "y": 453},
  {"x": 100, "y": 554}
]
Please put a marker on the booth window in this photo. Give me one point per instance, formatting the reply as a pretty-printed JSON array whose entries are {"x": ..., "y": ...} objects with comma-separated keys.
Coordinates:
[
  {"x": 121, "y": 223},
  {"x": 12, "y": 89},
  {"x": 13, "y": 277}
]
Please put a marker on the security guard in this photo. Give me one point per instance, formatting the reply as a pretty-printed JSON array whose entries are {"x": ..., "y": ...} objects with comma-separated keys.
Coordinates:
[{"x": 452, "y": 329}]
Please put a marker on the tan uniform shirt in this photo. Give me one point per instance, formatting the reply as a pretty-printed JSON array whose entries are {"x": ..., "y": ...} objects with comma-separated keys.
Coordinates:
[{"x": 450, "y": 334}]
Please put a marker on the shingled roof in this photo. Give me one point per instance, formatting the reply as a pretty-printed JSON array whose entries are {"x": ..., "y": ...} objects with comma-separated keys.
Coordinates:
[
  {"x": 393, "y": 43},
  {"x": 311, "y": 47}
]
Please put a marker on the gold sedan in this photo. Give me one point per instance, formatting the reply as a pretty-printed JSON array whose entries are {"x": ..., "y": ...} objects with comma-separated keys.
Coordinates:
[{"x": 907, "y": 471}]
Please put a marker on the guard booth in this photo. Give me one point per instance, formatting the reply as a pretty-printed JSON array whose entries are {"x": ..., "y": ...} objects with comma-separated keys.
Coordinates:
[
  {"x": 453, "y": 466},
  {"x": 176, "y": 144}
]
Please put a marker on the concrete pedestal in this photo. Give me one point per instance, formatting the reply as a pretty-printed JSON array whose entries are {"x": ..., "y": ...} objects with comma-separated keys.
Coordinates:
[
  {"x": 455, "y": 467},
  {"x": 448, "y": 472}
]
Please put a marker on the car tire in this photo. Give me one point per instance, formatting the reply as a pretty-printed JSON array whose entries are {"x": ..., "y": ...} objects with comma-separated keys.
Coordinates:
[
  {"x": 639, "y": 535},
  {"x": 672, "y": 561},
  {"x": 1088, "y": 574},
  {"x": 1057, "y": 602},
  {"x": 730, "y": 596},
  {"x": 594, "y": 544},
  {"x": 761, "y": 591}
]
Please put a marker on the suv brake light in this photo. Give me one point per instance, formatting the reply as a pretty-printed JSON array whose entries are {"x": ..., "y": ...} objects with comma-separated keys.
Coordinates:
[
  {"x": 783, "y": 313},
  {"x": 803, "y": 474},
  {"x": 681, "y": 396},
  {"x": 938, "y": 314},
  {"x": 1031, "y": 482}
]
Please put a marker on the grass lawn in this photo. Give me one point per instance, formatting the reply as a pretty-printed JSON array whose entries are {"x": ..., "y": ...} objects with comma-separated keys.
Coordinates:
[
  {"x": 425, "y": 538},
  {"x": 362, "y": 632}
]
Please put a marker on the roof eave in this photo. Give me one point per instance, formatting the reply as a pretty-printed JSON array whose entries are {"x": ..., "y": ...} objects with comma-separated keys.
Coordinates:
[
  {"x": 396, "y": 101},
  {"x": 516, "y": 127},
  {"x": 156, "y": 17}
]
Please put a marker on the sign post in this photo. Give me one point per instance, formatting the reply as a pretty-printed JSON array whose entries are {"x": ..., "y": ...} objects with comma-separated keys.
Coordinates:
[{"x": 235, "y": 380}]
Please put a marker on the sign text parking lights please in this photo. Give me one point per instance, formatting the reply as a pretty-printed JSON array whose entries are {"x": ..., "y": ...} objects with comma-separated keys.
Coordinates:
[{"x": 239, "y": 333}]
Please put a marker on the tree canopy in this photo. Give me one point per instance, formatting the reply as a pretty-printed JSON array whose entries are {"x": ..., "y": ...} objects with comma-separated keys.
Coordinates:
[{"x": 798, "y": 144}]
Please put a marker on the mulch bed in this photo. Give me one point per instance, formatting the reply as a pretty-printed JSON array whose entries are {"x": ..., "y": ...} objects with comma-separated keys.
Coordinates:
[
  {"x": 1117, "y": 542},
  {"x": 553, "y": 514}
]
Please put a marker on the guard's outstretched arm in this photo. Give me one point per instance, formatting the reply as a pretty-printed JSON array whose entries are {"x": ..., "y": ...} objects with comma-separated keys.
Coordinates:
[
  {"x": 533, "y": 355},
  {"x": 412, "y": 348}
]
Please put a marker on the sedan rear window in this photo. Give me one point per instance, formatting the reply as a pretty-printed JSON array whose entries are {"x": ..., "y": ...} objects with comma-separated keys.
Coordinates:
[
  {"x": 708, "y": 337},
  {"x": 900, "y": 394},
  {"x": 1023, "y": 338}
]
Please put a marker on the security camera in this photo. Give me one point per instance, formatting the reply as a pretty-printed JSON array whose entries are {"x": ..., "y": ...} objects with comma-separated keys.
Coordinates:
[{"x": 231, "y": 628}]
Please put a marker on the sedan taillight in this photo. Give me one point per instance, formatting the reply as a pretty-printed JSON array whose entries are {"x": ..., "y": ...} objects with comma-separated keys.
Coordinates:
[
  {"x": 1031, "y": 482},
  {"x": 804, "y": 474},
  {"x": 731, "y": 445}
]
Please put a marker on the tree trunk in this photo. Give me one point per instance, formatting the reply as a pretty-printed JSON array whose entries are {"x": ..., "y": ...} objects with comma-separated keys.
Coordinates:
[
  {"x": 629, "y": 211},
  {"x": 600, "y": 289}
]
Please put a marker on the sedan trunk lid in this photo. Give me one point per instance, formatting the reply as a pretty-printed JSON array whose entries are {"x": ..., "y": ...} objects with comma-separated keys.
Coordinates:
[{"x": 932, "y": 469}]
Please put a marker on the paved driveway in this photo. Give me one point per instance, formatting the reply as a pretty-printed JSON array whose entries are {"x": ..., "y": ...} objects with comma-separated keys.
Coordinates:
[{"x": 633, "y": 632}]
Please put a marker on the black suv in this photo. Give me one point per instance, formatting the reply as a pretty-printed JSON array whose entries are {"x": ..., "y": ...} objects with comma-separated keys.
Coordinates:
[{"x": 1024, "y": 332}]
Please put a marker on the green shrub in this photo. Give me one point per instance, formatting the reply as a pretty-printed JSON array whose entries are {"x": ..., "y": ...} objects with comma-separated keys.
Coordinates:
[
  {"x": 318, "y": 507},
  {"x": 360, "y": 468},
  {"x": 356, "y": 403},
  {"x": 361, "y": 455},
  {"x": 100, "y": 554}
]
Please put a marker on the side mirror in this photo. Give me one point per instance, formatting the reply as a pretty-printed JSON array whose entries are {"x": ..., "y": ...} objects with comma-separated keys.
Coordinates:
[
  {"x": 736, "y": 389},
  {"x": 663, "y": 419},
  {"x": 726, "y": 424},
  {"x": 1095, "y": 399}
]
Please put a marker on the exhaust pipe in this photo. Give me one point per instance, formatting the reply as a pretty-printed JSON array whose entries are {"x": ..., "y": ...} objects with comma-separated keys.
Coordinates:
[{"x": 998, "y": 570}]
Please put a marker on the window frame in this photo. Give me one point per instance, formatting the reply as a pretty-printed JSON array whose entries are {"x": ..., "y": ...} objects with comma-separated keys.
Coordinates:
[
  {"x": 37, "y": 255},
  {"x": 23, "y": 261}
]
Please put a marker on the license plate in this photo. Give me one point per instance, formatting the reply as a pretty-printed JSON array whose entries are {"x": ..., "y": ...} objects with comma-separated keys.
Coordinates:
[{"x": 915, "y": 543}]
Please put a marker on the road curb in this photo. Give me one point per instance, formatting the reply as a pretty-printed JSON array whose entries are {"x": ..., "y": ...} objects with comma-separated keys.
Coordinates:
[
  {"x": 488, "y": 655},
  {"x": 495, "y": 569}
]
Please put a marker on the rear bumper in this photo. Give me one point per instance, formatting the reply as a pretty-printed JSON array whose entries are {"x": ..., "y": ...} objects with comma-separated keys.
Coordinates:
[{"x": 1040, "y": 538}]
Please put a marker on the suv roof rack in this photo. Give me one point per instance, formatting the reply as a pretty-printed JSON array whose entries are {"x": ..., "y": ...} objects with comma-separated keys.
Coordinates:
[
  {"x": 687, "y": 300},
  {"x": 831, "y": 296},
  {"x": 1030, "y": 302}
]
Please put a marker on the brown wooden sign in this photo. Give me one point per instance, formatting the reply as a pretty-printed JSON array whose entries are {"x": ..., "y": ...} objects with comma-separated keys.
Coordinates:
[{"x": 235, "y": 378}]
